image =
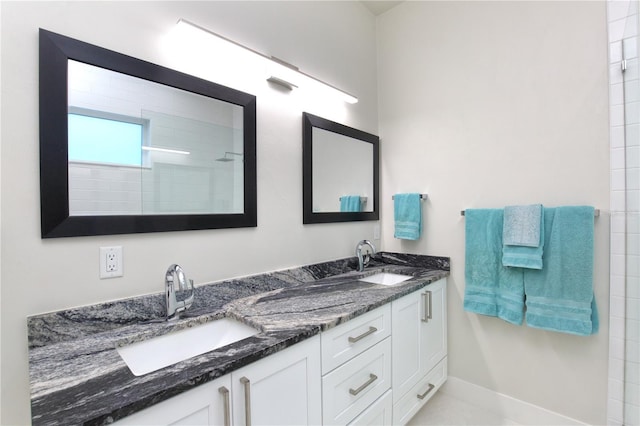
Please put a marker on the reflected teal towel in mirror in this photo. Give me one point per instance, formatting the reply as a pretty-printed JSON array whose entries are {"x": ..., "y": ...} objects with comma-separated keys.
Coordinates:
[
  {"x": 407, "y": 215},
  {"x": 490, "y": 288},
  {"x": 350, "y": 203},
  {"x": 560, "y": 295}
]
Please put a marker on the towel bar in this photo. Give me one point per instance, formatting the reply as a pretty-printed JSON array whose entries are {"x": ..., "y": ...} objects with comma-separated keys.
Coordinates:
[
  {"x": 422, "y": 197},
  {"x": 362, "y": 199},
  {"x": 596, "y": 212}
]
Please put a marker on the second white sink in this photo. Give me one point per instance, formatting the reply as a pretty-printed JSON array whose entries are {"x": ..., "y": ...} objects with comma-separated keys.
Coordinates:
[
  {"x": 386, "y": 278},
  {"x": 159, "y": 352}
]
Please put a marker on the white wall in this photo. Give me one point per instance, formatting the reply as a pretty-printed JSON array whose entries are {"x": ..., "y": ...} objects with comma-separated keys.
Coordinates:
[
  {"x": 333, "y": 41},
  {"x": 485, "y": 104}
]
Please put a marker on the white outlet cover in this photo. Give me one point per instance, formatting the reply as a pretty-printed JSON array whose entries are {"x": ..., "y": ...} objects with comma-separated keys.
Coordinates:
[{"x": 111, "y": 262}]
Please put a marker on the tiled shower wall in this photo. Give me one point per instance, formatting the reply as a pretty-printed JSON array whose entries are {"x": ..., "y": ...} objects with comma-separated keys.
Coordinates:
[{"x": 624, "y": 347}]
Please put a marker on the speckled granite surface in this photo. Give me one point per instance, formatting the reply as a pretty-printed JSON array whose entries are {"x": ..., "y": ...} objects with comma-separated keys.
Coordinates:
[{"x": 77, "y": 376}]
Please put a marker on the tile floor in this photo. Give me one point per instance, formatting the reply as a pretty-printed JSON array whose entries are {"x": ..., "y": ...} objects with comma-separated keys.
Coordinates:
[{"x": 443, "y": 409}]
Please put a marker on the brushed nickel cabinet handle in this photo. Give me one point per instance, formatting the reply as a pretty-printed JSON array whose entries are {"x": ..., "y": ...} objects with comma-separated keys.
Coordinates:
[
  {"x": 372, "y": 378},
  {"x": 225, "y": 394},
  {"x": 247, "y": 400},
  {"x": 424, "y": 395},
  {"x": 363, "y": 335},
  {"x": 430, "y": 314},
  {"x": 425, "y": 316}
]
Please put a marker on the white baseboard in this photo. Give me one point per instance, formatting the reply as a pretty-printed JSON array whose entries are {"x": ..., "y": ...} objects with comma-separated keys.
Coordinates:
[{"x": 516, "y": 410}]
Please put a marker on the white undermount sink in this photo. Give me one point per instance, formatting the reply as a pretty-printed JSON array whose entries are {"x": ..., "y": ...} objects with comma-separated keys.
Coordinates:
[
  {"x": 386, "y": 278},
  {"x": 159, "y": 352}
]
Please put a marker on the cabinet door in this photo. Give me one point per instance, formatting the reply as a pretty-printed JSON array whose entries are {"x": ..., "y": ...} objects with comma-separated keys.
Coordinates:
[
  {"x": 434, "y": 334},
  {"x": 419, "y": 335},
  {"x": 203, "y": 405},
  {"x": 281, "y": 389},
  {"x": 406, "y": 329}
]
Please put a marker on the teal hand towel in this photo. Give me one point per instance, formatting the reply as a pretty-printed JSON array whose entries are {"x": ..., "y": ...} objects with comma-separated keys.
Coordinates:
[
  {"x": 350, "y": 203},
  {"x": 490, "y": 288},
  {"x": 560, "y": 295},
  {"x": 523, "y": 236},
  {"x": 407, "y": 215}
]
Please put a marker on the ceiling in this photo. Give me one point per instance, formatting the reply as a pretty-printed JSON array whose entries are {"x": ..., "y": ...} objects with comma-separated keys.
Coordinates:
[{"x": 379, "y": 7}]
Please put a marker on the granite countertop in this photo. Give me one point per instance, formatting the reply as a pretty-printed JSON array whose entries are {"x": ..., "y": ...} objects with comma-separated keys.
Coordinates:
[{"x": 77, "y": 376}]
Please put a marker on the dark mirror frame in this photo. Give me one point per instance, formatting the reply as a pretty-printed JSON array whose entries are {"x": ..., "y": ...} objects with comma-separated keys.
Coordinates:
[
  {"x": 309, "y": 121},
  {"x": 55, "y": 52}
]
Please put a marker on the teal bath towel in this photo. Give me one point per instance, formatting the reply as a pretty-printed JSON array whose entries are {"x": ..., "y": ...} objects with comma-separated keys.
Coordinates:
[
  {"x": 407, "y": 215},
  {"x": 523, "y": 236},
  {"x": 350, "y": 203},
  {"x": 560, "y": 295},
  {"x": 490, "y": 288}
]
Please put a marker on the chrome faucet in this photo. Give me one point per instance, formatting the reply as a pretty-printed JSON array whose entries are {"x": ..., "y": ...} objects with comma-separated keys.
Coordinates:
[
  {"x": 175, "y": 281},
  {"x": 363, "y": 260}
]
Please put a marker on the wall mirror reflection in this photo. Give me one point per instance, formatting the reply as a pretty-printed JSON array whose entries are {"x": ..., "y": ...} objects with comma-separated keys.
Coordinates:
[
  {"x": 128, "y": 146},
  {"x": 340, "y": 172}
]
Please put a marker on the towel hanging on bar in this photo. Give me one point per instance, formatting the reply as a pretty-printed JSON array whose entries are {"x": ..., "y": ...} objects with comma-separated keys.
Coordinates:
[
  {"x": 422, "y": 197},
  {"x": 596, "y": 212}
]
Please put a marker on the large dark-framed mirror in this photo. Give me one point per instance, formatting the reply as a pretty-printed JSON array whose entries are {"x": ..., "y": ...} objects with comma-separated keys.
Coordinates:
[
  {"x": 340, "y": 172},
  {"x": 127, "y": 146}
]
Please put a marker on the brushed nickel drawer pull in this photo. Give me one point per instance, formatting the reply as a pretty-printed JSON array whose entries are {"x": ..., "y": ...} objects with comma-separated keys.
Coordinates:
[
  {"x": 425, "y": 316},
  {"x": 424, "y": 395},
  {"x": 247, "y": 400},
  {"x": 363, "y": 335},
  {"x": 430, "y": 315},
  {"x": 225, "y": 394},
  {"x": 372, "y": 378}
]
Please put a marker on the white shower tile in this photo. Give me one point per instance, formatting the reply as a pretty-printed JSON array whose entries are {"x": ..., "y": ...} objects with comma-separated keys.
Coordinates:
[
  {"x": 618, "y": 159},
  {"x": 630, "y": 47},
  {"x": 615, "y": 51},
  {"x": 618, "y": 179},
  {"x": 616, "y": 29},
  {"x": 617, "y": 305},
  {"x": 616, "y": 348},
  {"x": 633, "y": 134},
  {"x": 618, "y": 201},
  {"x": 617, "y": 10},
  {"x": 615, "y": 74},
  {"x": 616, "y": 369},
  {"x": 617, "y": 286},
  {"x": 616, "y": 136},
  {"x": 630, "y": 26},
  {"x": 616, "y": 94},
  {"x": 616, "y": 116},
  {"x": 632, "y": 112}
]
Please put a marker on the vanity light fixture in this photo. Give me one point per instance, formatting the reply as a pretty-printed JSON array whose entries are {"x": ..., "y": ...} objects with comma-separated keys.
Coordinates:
[
  {"x": 282, "y": 73},
  {"x": 170, "y": 151}
]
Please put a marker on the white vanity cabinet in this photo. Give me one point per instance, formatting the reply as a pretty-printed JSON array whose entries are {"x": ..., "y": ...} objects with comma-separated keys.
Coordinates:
[
  {"x": 419, "y": 349},
  {"x": 356, "y": 367},
  {"x": 379, "y": 368},
  {"x": 281, "y": 389}
]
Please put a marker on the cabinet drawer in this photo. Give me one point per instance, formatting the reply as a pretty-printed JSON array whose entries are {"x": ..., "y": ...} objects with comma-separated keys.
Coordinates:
[
  {"x": 378, "y": 414},
  {"x": 352, "y": 387},
  {"x": 345, "y": 341},
  {"x": 409, "y": 404}
]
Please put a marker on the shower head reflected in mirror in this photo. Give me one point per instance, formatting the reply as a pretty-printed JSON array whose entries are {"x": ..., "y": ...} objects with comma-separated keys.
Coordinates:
[{"x": 228, "y": 156}]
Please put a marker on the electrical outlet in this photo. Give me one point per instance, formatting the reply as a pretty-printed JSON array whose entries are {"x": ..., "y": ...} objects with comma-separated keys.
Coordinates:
[{"x": 110, "y": 262}]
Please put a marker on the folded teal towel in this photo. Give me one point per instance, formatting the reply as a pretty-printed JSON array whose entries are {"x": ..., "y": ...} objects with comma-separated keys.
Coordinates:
[
  {"x": 490, "y": 288},
  {"x": 407, "y": 214},
  {"x": 560, "y": 296},
  {"x": 523, "y": 236},
  {"x": 350, "y": 203}
]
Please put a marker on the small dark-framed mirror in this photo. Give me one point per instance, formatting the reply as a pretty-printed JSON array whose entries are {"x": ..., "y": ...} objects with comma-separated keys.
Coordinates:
[
  {"x": 340, "y": 172},
  {"x": 191, "y": 162}
]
